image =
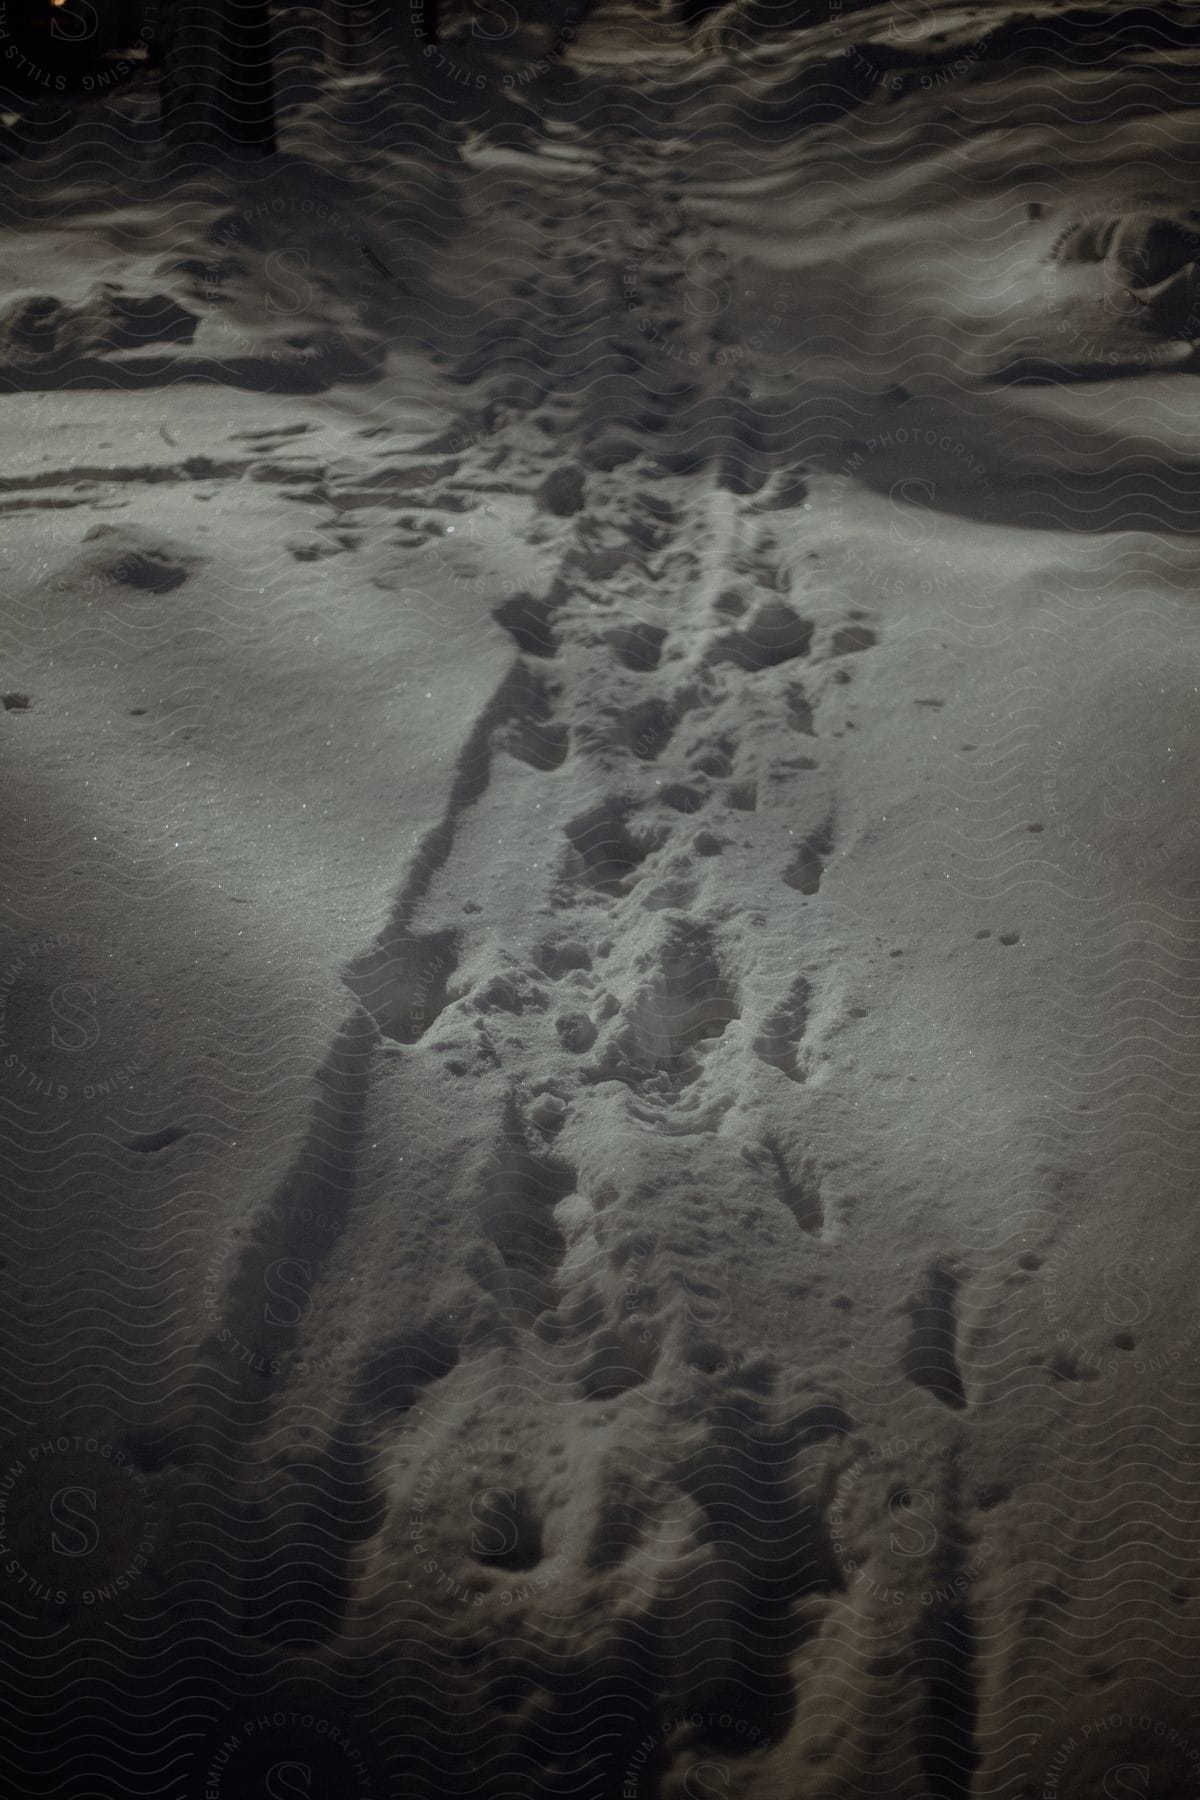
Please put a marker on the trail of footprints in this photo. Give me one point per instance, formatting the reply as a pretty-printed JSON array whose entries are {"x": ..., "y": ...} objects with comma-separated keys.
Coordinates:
[
  {"x": 649, "y": 841},
  {"x": 673, "y": 778},
  {"x": 633, "y": 742}
]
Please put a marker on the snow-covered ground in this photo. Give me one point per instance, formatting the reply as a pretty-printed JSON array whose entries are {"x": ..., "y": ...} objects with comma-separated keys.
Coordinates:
[{"x": 598, "y": 1018}]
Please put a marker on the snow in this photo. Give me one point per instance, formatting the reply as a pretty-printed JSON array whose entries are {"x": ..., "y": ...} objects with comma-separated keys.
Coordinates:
[{"x": 597, "y": 1041}]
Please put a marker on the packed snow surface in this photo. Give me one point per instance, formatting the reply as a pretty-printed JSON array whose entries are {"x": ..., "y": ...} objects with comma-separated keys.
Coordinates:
[{"x": 598, "y": 1024}]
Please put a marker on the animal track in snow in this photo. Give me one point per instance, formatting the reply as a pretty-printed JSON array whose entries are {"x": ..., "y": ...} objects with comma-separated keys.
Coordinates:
[
  {"x": 686, "y": 1004},
  {"x": 783, "y": 1032},
  {"x": 716, "y": 759},
  {"x": 557, "y": 957},
  {"x": 766, "y": 1543},
  {"x": 609, "y": 852},
  {"x": 681, "y": 797},
  {"x": 638, "y": 647},
  {"x": 798, "y": 1190},
  {"x": 807, "y": 866},
  {"x": 931, "y": 1359},
  {"x": 774, "y": 635},
  {"x": 649, "y": 728},
  {"x": 848, "y": 640},
  {"x": 520, "y": 1189}
]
